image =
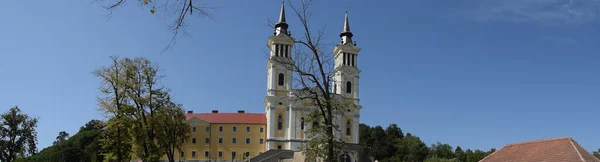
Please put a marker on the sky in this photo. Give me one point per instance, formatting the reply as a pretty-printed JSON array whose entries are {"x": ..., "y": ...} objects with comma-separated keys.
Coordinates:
[{"x": 479, "y": 74}]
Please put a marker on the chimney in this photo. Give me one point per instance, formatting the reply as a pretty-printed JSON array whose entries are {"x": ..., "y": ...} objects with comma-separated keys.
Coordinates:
[
  {"x": 190, "y": 112},
  {"x": 241, "y": 111},
  {"x": 215, "y": 111}
]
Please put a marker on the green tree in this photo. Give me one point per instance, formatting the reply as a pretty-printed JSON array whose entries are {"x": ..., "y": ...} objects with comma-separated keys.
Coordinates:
[
  {"x": 62, "y": 136},
  {"x": 17, "y": 135},
  {"x": 443, "y": 151},
  {"x": 173, "y": 130},
  {"x": 597, "y": 154},
  {"x": 475, "y": 156},
  {"x": 460, "y": 154},
  {"x": 411, "y": 149}
]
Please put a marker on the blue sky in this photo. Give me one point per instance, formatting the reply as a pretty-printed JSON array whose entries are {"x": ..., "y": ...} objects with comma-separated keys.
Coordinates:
[{"x": 474, "y": 73}]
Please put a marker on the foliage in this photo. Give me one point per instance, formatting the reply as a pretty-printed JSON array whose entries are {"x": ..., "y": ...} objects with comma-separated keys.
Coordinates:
[
  {"x": 17, "y": 135},
  {"x": 390, "y": 145},
  {"x": 597, "y": 154},
  {"x": 82, "y": 147},
  {"x": 141, "y": 113},
  {"x": 62, "y": 136}
]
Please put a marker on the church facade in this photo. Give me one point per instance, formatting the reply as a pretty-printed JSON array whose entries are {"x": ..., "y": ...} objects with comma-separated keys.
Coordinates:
[{"x": 242, "y": 136}]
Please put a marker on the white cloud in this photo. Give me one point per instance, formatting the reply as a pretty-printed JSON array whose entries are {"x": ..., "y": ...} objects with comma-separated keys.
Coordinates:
[{"x": 536, "y": 11}]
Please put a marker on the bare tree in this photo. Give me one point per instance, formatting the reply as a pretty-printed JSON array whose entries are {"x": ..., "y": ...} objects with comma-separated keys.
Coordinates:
[
  {"x": 177, "y": 11},
  {"x": 313, "y": 70}
]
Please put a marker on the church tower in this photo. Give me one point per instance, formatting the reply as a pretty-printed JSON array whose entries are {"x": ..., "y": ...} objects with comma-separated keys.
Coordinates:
[
  {"x": 346, "y": 83},
  {"x": 279, "y": 86}
]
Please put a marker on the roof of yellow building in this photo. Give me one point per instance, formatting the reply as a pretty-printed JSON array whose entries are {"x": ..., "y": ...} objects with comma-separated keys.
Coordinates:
[{"x": 230, "y": 118}]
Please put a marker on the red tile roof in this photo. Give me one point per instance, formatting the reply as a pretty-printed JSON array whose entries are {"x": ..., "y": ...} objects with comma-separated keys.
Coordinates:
[
  {"x": 230, "y": 118},
  {"x": 549, "y": 150}
]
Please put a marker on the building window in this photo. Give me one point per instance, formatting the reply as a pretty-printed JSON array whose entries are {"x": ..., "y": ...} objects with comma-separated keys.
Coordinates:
[
  {"x": 193, "y": 154},
  {"x": 234, "y": 140},
  {"x": 233, "y": 154},
  {"x": 182, "y": 154},
  {"x": 280, "y": 80},
  {"x": 302, "y": 123},
  {"x": 247, "y": 154},
  {"x": 279, "y": 122},
  {"x": 247, "y": 129},
  {"x": 262, "y": 129},
  {"x": 247, "y": 140},
  {"x": 279, "y": 147},
  {"x": 193, "y": 140},
  {"x": 344, "y": 58},
  {"x": 220, "y": 128},
  {"x": 193, "y": 129},
  {"x": 348, "y": 128},
  {"x": 207, "y": 129},
  {"x": 206, "y": 154},
  {"x": 234, "y": 129},
  {"x": 207, "y": 140},
  {"x": 348, "y": 87},
  {"x": 334, "y": 88},
  {"x": 220, "y": 154},
  {"x": 261, "y": 141},
  {"x": 220, "y": 140},
  {"x": 353, "y": 60}
]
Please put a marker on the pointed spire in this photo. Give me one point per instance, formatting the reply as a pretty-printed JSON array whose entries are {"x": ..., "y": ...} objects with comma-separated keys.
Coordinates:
[
  {"x": 281, "y": 26},
  {"x": 346, "y": 23},
  {"x": 346, "y": 34},
  {"x": 282, "y": 14}
]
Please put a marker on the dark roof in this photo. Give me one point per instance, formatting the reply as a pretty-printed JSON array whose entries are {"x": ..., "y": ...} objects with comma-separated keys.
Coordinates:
[{"x": 548, "y": 150}]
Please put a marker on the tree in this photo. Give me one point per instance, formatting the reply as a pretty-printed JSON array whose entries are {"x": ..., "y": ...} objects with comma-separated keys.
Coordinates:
[
  {"x": 411, "y": 149},
  {"x": 314, "y": 77},
  {"x": 475, "y": 156},
  {"x": 597, "y": 154},
  {"x": 442, "y": 150},
  {"x": 116, "y": 141},
  {"x": 140, "y": 111},
  {"x": 62, "y": 136},
  {"x": 174, "y": 130},
  {"x": 179, "y": 11},
  {"x": 460, "y": 154},
  {"x": 93, "y": 125},
  {"x": 17, "y": 135}
]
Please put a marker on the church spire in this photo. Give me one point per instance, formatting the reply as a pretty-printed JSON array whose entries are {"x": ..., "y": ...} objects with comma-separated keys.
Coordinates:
[
  {"x": 346, "y": 34},
  {"x": 281, "y": 26}
]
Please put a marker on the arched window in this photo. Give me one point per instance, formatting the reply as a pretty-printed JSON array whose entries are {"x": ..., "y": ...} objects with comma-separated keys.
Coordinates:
[
  {"x": 348, "y": 128},
  {"x": 302, "y": 123},
  {"x": 348, "y": 87},
  {"x": 280, "y": 79},
  {"x": 279, "y": 122}
]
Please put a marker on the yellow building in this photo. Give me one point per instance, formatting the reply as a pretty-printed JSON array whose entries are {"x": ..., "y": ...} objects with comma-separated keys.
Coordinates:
[{"x": 224, "y": 136}]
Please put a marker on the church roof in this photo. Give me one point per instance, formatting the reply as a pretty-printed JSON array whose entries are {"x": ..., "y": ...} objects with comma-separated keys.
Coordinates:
[
  {"x": 230, "y": 118},
  {"x": 548, "y": 150}
]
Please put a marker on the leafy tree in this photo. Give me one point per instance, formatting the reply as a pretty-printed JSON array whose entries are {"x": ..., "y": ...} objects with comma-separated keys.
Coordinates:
[
  {"x": 442, "y": 151},
  {"x": 82, "y": 147},
  {"x": 17, "y": 135},
  {"x": 597, "y": 154},
  {"x": 93, "y": 125},
  {"x": 62, "y": 136},
  {"x": 394, "y": 132},
  {"x": 411, "y": 148},
  {"x": 139, "y": 111},
  {"x": 475, "y": 156},
  {"x": 460, "y": 154},
  {"x": 174, "y": 131}
]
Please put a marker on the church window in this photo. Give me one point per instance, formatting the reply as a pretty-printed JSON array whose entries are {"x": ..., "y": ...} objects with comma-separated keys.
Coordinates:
[
  {"x": 344, "y": 58},
  {"x": 220, "y": 154},
  {"x": 348, "y": 87},
  {"x": 348, "y": 128},
  {"x": 353, "y": 57},
  {"x": 280, "y": 79},
  {"x": 262, "y": 129},
  {"x": 281, "y": 50},
  {"x": 234, "y": 140},
  {"x": 302, "y": 123},
  {"x": 207, "y": 140},
  {"x": 247, "y": 129},
  {"x": 261, "y": 141},
  {"x": 279, "y": 122},
  {"x": 285, "y": 50}
]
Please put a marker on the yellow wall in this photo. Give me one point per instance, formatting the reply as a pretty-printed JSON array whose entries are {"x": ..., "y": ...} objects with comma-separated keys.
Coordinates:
[
  {"x": 280, "y": 133},
  {"x": 227, "y": 147}
]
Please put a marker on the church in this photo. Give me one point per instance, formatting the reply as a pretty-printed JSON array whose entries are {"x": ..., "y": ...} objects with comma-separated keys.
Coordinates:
[{"x": 280, "y": 132}]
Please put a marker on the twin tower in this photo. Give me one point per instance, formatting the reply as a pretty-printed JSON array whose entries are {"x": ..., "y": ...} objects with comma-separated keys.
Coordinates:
[{"x": 285, "y": 113}]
